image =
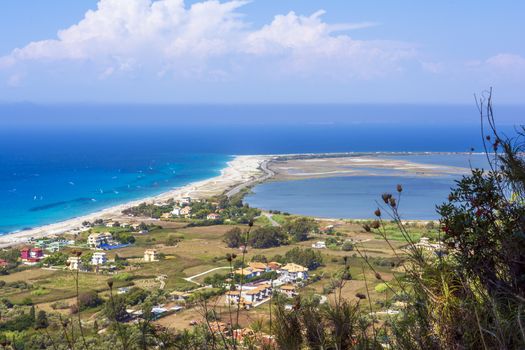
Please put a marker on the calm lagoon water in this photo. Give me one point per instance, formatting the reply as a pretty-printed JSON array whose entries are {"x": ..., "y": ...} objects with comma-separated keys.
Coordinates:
[{"x": 357, "y": 196}]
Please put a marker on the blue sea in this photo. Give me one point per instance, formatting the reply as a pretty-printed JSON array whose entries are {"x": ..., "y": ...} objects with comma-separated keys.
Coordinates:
[{"x": 60, "y": 163}]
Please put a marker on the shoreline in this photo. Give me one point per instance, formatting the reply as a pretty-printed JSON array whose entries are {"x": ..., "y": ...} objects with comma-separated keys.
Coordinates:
[{"x": 240, "y": 172}]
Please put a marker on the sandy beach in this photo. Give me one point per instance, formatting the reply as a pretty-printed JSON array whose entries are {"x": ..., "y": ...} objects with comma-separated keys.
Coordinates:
[{"x": 242, "y": 171}]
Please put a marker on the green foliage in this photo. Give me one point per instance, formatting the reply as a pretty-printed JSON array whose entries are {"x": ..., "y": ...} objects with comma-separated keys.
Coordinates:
[
  {"x": 234, "y": 238},
  {"x": 123, "y": 277},
  {"x": 115, "y": 308},
  {"x": 305, "y": 257},
  {"x": 347, "y": 246},
  {"x": 41, "y": 320},
  {"x": 172, "y": 240},
  {"x": 148, "y": 210},
  {"x": 10, "y": 255},
  {"x": 55, "y": 259},
  {"x": 88, "y": 300},
  {"x": 267, "y": 237},
  {"x": 124, "y": 237},
  {"x": 299, "y": 228}
]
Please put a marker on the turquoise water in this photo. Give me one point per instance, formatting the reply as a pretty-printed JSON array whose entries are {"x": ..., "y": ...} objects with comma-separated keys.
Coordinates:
[
  {"x": 357, "y": 196},
  {"x": 42, "y": 192}
]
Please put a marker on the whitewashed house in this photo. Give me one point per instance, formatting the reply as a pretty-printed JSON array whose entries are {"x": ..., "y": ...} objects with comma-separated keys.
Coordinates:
[
  {"x": 292, "y": 272},
  {"x": 99, "y": 258},
  {"x": 74, "y": 263},
  {"x": 319, "y": 245}
]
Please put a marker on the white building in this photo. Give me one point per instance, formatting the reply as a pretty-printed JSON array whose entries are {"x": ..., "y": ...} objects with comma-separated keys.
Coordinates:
[
  {"x": 175, "y": 211},
  {"x": 250, "y": 295},
  {"x": 150, "y": 255},
  {"x": 292, "y": 272},
  {"x": 319, "y": 245},
  {"x": 184, "y": 201},
  {"x": 186, "y": 211},
  {"x": 95, "y": 240},
  {"x": 74, "y": 263},
  {"x": 213, "y": 216},
  {"x": 99, "y": 258},
  {"x": 424, "y": 243}
]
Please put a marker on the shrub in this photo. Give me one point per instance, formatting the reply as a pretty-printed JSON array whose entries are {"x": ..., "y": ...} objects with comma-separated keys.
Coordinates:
[
  {"x": 347, "y": 246},
  {"x": 233, "y": 238},
  {"x": 88, "y": 300}
]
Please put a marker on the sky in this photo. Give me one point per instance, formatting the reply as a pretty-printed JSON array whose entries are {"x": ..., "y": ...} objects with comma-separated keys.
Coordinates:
[{"x": 261, "y": 51}]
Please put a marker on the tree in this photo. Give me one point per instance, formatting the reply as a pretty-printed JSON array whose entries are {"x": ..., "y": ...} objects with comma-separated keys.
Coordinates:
[
  {"x": 115, "y": 308},
  {"x": 89, "y": 299},
  {"x": 267, "y": 237},
  {"x": 304, "y": 257},
  {"x": 55, "y": 259},
  {"x": 32, "y": 313},
  {"x": 300, "y": 228},
  {"x": 233, "y": 238},
  {"x": 41, "y": 320}
]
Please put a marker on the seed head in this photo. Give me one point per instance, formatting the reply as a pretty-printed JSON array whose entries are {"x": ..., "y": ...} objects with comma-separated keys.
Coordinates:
[
  {"x": 392, "y": 202},
  {"x": 386, "y": 197},
  {"x": 377, "y": 212},
  {"x": 399, "y": 188}
]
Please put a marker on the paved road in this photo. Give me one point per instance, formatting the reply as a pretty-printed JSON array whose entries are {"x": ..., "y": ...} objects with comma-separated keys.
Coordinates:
[
  {"x": 272, "y": 221},
  {"x": 191, "y": 279},
  {"x": 267, "y": 174}
]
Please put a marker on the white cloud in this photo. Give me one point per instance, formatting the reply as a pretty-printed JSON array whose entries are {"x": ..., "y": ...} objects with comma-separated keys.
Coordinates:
[
  {"x": 210, "y": 37},
  {"x": 503, "y": 64}
]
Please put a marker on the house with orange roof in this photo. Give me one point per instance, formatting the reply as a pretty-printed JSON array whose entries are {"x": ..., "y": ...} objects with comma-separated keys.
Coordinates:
[
  {"x": 249, "y": 272},
  {"x": 292, "y": 272},
  {"x": 288, "y": 289}
]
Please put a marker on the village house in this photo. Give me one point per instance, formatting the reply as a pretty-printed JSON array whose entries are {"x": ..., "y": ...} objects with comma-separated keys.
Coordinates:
[
  {"x": 150, "y": 255},
  {"x": 249, "y": 272},
  {"x": 31, "y": 256},
  {"x": 3, "y": 263},
  {"x": 213, "y": 216},
  {"x": 250, "y": 294},
  {"x": 259, "y": 266},
  {"x": 95, "y": 240},
  {"x": 184, "y": 201},
  {"x": 176, "y": 211},
  {"x": 186, "y": 212},
  {"x": 292, "y": 272},
  {"x": 319, "y": 245},
  {"x": 288, "y": 290},
  {"x": 425, "y": 244},
  {"x": 110, "y": 224},
  {"x": 328, "y": 229},
  {"x": 274, "y": 265},
  {"x": 99, "y": 258},
  {"x": 74, "y": 263}
]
